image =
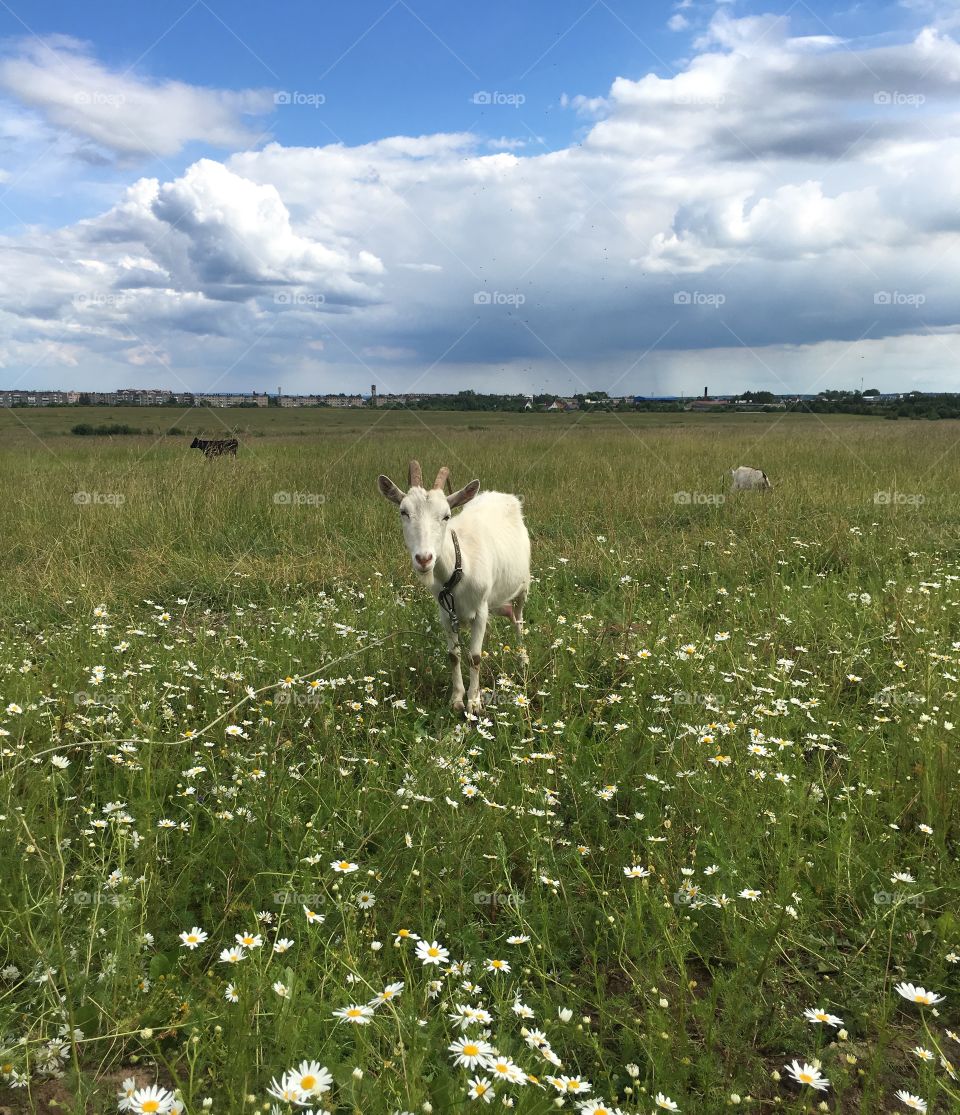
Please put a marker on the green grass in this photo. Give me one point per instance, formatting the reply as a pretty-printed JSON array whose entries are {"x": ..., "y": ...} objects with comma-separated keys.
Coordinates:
[{"x": 146, "y": 591}]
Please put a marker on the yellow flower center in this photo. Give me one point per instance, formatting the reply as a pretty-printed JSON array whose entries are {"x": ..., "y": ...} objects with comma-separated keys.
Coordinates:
[
  {"x": 150, "y": 1105},
  {"x": 308, "y": 1082}
]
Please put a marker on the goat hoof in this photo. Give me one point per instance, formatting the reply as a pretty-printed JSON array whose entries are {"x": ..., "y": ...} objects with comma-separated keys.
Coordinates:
[
  {"x": 474, "y": 705},
  {"x": 457, "y": 704}
]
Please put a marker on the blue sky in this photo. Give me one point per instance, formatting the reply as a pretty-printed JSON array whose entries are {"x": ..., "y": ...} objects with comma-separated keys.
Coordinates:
[
  {"x": 406, "y": 69},
  {"x": 510, "y": 196}
]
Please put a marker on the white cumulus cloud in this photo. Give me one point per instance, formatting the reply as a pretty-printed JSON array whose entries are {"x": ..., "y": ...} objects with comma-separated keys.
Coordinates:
[
  {"x": 781, "y": 210},
  {"x": 119, "y": 111}
]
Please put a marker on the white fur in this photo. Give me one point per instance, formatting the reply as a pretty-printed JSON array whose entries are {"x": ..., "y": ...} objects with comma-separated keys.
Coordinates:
[
  {"x": 746, "y": 479},
  {"x": 495, "y": 556}
]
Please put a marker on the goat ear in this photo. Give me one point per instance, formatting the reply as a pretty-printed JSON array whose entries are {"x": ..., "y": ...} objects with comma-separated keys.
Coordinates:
[
  {"x": 388, "y": 489},
  {"x": 464, "y": 495}
]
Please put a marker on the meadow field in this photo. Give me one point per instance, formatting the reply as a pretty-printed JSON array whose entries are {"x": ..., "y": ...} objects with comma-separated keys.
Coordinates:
[{"x": 698, "y": 853}]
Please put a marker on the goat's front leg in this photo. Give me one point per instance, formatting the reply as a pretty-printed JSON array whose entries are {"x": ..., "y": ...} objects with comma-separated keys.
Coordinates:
[
  {"x": 477, "y": 632},
  {"x": 453, "y": 654}
]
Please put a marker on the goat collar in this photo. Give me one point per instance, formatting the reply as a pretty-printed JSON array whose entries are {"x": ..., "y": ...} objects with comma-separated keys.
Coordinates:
[{"x": 445, "y": 599}]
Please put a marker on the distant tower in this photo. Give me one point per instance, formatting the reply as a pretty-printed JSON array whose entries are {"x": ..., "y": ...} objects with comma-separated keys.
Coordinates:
[
  {"x": 373, "y": 393},
  {"x": 705, "y": 395},
  {"x": 279, "y": 390}
]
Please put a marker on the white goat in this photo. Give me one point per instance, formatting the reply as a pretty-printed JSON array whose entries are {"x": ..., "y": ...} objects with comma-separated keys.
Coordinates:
[
  {"x": 481, "y": 565},
  {"x": 746, "y": 479}
]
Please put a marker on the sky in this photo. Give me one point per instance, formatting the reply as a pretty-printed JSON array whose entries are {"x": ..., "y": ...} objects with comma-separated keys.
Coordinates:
[{"x": 640, "y": 197}]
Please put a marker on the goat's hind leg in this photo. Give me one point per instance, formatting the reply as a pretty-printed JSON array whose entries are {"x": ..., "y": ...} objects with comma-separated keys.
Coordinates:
[
  {"x": 521, "y": 599},
  {"x": 514, "y": 611}
]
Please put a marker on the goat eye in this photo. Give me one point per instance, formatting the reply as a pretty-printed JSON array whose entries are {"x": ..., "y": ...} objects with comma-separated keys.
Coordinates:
[
  {"x": 405, "y": 514},
  {"x": 445, "y": 518}
]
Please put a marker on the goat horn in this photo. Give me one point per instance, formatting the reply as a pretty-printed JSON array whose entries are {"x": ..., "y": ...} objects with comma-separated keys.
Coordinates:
[
  {"x": 442, "y": 477},
  {"x": 416, "y": 475}
]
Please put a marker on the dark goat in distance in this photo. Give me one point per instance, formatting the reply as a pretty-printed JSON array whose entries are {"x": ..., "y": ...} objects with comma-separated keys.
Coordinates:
[{"x": 216, "y": 448}]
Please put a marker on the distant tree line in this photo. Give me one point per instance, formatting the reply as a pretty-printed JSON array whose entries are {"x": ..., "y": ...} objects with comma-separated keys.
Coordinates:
[
  {"x": 914, "y": 404},
  {"x": 478, "y": 401},
  {"x": 464, "y": 400}
]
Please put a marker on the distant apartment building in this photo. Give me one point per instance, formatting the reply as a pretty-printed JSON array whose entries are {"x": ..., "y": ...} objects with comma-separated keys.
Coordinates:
[
  {"x": 344, "y": 400},
  {"x": 321, "y": 401},
  {"x": 34, "y": 398},
  {"x": 130, "y": 397},
  {"x": 299, "y": 400},
  {"x": 407, "y": 399},
  {"x": 142, "y": 396},
  {"x": 224, "y": 399}
]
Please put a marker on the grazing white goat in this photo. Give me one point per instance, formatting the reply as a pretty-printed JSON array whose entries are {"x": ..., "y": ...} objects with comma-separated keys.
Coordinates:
[
  {"x": 478, "y": 564},
  {"x": 746, "y": 479}
]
